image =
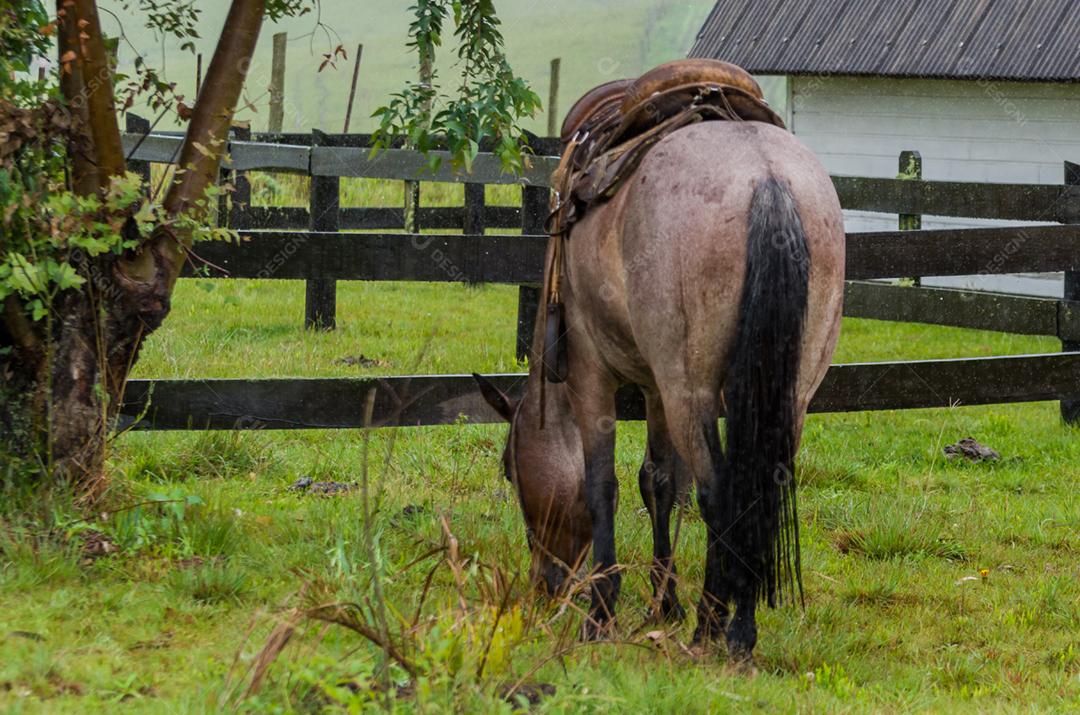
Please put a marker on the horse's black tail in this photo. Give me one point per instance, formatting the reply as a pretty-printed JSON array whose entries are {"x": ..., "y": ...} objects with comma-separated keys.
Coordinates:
[{"x": 760, "y": 522}]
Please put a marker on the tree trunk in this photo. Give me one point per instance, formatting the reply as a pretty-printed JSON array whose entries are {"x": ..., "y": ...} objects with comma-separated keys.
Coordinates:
[{"x": 64, "y": 376}]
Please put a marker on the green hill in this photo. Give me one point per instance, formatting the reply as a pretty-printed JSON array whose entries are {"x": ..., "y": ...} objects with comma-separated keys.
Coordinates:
[{"x": 597, "y": 40}]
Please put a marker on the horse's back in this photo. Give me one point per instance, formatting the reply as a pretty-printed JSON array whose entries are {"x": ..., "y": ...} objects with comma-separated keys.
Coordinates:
[
  {"x": 693, "y": 191},
  {"x": 682, "y": 233}
]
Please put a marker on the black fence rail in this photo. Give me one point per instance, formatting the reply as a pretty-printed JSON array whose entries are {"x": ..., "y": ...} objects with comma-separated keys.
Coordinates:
[
  {"x": 318, "y": 244},
  {"x": 349, "y": 156},
  {"x": 504, "y": 258},
  {"x": 336, "y": 403}
]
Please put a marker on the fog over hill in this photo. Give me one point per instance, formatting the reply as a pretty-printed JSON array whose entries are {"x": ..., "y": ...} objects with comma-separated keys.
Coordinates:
[{"x": 598, "y": 40}]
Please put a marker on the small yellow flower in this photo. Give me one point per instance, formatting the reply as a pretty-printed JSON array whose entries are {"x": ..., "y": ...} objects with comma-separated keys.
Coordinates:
[{"x": 985, "y": 573}]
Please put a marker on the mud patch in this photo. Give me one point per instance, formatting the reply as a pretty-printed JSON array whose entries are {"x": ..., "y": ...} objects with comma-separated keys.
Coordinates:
[
  {"x": 362, "y": 361},
  {"x": 529, "y": 694},
  {"x": 306, "y": 485},
  {"x": 63, "y": 686},
  {"x": 192, "y": 562},
  {"x": 407, "y": 514},
  {"x": 93, "y": 545},
  {"x": 162, "y": 641},
  {"x": 533, "y": 693}
]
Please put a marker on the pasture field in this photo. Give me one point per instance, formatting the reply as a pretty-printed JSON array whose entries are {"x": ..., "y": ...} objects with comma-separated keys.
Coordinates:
[
  {"x": 930, "y": 585},
  {"x": 897, "y": 615}
]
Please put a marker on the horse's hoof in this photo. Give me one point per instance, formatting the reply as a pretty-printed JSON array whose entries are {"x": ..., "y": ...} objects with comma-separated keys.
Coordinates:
[
  {"x": 707, "y": 632},
  {"x": 741, "y": 662},
  {"x": 666, "y": 613},
  {"x": 595, "y": 630},
  {"x": 702, "y": 637},
  {"x": 700, "y": 651},
  {"x": 673, "y": 612},
  {"x": 743, "y": 668},
  {"x": 741, "y": 639},
  {"x": 741, "y": 657}
]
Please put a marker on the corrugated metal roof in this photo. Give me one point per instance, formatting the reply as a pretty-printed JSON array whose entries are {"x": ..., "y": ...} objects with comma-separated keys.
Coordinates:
[{"x": 1027, "y": 40}]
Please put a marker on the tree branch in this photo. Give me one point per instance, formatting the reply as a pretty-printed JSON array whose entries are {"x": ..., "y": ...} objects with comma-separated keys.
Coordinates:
[
  {"x": 204, "y": 144},
  {"x": 85, "y": 180},
  {"x": 208, "y": 131},
  {"x": 98, "y": 89},
  {"x": 213, "y": 113}
]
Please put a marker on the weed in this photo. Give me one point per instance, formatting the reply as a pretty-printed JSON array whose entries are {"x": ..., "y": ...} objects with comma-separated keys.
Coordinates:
[
  {"x": 961, "y": 673},
  {"x": 896, "y": 530},
  {"x": 30, "y": 560},
  {"x": 211, "y": 455},
  {"x": 875, "y": 593},
  {"x": 210, "y": 583},
  {"x": 1066, "y": 659},
  {"x": 172, "y": 524},
  {"x": 833, "y": 679}
]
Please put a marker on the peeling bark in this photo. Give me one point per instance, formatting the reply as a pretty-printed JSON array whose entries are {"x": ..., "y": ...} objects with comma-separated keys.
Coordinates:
[{"x": 85, "y": 180}]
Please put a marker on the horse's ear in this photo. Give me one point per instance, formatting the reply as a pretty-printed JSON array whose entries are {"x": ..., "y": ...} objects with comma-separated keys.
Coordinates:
[{"x": 495, "y": 397}]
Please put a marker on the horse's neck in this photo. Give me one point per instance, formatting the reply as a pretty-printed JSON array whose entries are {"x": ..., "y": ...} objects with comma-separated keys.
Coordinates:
[{"x": 542, "y": 397}]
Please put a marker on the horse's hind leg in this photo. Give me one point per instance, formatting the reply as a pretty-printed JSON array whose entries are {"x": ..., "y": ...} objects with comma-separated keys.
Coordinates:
[
  {"x": 660, "y": 479},
  {"x": 713, "y": 609},
  {"x": 691, "y": 418},
  {"x": 729, "y": 579},
  {"x": 742, "y": 631}
]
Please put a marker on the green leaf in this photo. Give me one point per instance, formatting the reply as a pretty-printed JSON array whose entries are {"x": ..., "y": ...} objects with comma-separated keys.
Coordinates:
[
  {"x": 491, "y": 100},
  {"x": 25, "y": 277},
  {"x": 64, "y": 275}
]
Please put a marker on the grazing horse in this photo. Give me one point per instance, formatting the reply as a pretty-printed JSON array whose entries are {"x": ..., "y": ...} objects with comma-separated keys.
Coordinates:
[{"x": 712, "y": 279}]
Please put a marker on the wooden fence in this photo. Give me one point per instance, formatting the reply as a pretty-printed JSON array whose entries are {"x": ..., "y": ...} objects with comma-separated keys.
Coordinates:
[{"x": 312, "y": 244}]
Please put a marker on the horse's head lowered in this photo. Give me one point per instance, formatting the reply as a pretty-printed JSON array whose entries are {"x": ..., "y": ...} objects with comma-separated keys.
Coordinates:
[{"x": 547, "y": 468}]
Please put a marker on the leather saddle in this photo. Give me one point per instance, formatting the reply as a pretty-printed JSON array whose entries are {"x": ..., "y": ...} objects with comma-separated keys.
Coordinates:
[{"x": 610, "y": 129}]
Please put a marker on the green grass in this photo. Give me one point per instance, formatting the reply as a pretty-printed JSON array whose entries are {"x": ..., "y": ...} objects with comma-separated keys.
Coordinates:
[{"x": 897, "y": 618}]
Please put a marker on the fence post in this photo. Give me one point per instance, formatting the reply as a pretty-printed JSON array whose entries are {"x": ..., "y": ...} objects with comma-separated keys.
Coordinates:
[
  {"x": 241, "y": 195},
  {"x": 224, "y": 175},
  {"x": 1070, "y": 409},
  {"x": 473, "y": 219},
  {"x": 277, "y": 84},
  {"x": 412, "y": 188},
  {"x": 137, "y": 125},
  {"x": 911, "y": 169},
  {"x": 412, "y": 207},
  {"x": 352, "y": 88},
  {"x": 553, "y": 99},
  {"x": 535, "y": 201},
  {"x": 320, "y": 300}
]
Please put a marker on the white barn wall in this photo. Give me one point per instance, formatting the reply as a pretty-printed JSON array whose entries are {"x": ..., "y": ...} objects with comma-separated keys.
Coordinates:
[{"x": 1005, "y": 132}]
